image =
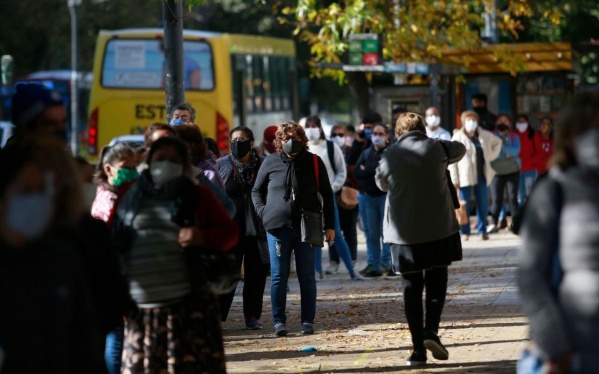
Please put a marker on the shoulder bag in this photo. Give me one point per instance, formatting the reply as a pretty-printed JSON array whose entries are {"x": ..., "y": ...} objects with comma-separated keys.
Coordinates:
[
  {"x": 311, "y": 222},
  {"x": 505, "y": 166}
]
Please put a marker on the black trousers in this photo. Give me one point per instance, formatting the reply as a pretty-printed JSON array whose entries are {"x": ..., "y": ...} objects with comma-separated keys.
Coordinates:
[
  {"x": 498, "y": 186},
  {"x": 254, "y": 280},
  {"x": 348, "y": 219},
  {"x": 435, "y": 281}
]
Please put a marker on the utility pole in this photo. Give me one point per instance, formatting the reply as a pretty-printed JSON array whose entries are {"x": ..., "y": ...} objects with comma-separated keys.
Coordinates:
[
  {"x": 172, "y": 13},
  {"x": 73, "y": 4}
]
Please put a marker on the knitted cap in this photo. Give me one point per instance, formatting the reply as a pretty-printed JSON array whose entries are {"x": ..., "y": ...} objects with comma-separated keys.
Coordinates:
[{"x": 31, "y": 100}]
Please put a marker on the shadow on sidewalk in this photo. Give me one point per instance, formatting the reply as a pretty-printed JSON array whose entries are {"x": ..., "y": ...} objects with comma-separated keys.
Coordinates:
[{"x": 496, "y": 367}]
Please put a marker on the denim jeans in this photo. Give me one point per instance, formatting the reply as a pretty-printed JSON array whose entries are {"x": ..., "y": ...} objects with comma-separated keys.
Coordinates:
[
  {"x": 114, "y": 349},
  {"x": 481, "y": 199},
  {"x": 527, "y": 179},
  {"x": 281, "y": 243},
  {"x": 372, "y": 211},
  {"x": 340, "y": 245}
]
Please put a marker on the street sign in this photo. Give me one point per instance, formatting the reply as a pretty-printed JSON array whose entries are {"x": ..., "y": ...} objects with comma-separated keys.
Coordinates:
[{"x": 364, "y": 49}]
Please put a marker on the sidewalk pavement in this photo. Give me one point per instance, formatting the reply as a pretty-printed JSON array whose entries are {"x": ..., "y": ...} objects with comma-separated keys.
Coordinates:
[{"x": 361, "y": 326}]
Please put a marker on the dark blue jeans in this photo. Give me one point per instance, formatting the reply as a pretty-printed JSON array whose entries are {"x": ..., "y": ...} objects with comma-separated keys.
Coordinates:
[
  {"x": 114, "y": 349},
  {"x": 372, "y": 210},
  {"x": 281, "y": 243},
  {"x": 481, "y": 200},
  {"x": 340, "y": 245}
]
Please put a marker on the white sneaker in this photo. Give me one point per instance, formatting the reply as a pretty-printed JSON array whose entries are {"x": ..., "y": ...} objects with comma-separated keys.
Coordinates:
[{"x": 492, "y": 228}]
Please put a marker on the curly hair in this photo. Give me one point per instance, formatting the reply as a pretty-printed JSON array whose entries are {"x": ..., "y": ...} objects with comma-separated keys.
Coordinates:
[
  {"x": 408, "y": 122},
  {"x": 283, "y": 131}
]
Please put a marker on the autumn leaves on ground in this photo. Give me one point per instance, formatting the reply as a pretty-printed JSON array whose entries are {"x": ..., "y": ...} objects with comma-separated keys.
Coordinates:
[{"x": 361, "y": 327}]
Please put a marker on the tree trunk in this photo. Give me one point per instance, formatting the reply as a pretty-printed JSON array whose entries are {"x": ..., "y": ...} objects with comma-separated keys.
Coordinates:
[
  {"x": 174, "y": 81},
  {"x": 359, "y": 91}
]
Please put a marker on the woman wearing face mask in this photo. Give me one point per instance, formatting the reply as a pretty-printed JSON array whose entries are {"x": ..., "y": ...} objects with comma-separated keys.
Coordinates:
[
  {"x": 507, "y": 172},
  {"x": 49, "y": 319},
  {"x": 116, "y": 167},
  {"x": 287, "y": 182},
  {"x": 161, "y": 223},
  {"x": 544, "y": 145},
  {"x": 238, "y": 171},
  {"x": 332, "y": 158},
  {"x": 557, "y": 272},
  {"x": 474, "y": 173},
  {"x": 528, "y": 155},
  {"x": 348, "y": 216},
  {"x": 372, "y": 204}
]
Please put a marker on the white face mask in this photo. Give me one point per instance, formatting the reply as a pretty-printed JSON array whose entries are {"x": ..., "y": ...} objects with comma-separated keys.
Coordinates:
[
  {"x": 521, "y": 126},
  {"x": 471, "y": 125},
  {"x": 164, "y": 171},
  {"x": 313, "y": 134},
  {"x": 89, "y": 194},
  {"x": 340, "y": 141},
  {"x": 29, "y": 214},
  {"x": 433, "y": 121},
  {"x": 378, "y": 141}
]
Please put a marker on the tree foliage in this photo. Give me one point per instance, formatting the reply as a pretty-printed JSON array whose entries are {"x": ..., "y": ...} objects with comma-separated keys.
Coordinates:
[{"x": 411, "y": 30}]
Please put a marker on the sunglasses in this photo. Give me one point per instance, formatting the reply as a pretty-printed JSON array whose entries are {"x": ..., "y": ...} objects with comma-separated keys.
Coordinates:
[{"x": 338, "y": 134}]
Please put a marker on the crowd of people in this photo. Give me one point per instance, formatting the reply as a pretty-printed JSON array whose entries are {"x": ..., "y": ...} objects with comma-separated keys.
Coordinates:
[{"x": 118, "y": 259}]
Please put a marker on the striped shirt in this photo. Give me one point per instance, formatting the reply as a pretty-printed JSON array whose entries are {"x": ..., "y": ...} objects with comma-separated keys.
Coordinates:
[{"x": 157, "y": 272}]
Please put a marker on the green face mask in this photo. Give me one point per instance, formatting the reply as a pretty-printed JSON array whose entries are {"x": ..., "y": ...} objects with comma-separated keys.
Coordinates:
[{"x": 124, "y": 175}]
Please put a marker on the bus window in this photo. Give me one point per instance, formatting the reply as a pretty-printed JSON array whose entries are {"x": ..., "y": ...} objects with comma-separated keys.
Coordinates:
[{"x": 139, "y": 63}]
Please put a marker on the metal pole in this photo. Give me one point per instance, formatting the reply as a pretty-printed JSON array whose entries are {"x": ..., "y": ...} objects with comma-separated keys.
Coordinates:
[
  {"x": 74, "y": 86},
  {"x": 172, "y": 12}
]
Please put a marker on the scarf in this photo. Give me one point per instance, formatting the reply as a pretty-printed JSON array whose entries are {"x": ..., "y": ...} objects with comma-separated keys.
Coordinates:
[
  {"x": 290, "y": 178},
  {"x": 245, "y": 174}
]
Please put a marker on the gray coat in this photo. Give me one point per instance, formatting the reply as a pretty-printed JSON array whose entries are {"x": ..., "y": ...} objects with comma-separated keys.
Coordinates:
[
  {"x": 419, "y": 208},
  {"x": 570, "y": 322}
]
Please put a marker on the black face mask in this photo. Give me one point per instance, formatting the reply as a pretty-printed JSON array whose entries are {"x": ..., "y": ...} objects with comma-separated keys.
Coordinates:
[
  {"x": 501, "y": 127},
  {"x": 240, "y": 149},
  {"x": 480, "y": 110},
  {"x": 292, "y": 146}
]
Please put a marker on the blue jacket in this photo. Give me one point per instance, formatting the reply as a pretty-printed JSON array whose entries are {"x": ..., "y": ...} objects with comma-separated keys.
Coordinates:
[{"x": 510, "y": 147}]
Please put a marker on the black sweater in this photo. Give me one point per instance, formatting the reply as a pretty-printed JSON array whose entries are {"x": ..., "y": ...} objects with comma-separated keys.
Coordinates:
[
  {"x": 268, "y": 194},
  {"x": 370, "y": 160}
]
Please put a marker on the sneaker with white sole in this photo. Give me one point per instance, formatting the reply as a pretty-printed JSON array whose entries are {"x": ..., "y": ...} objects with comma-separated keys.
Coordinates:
[
  {"x": 307, "y": 328},
  {"x": 280, "y": 329},
  {"x": 333, "y": 268}
]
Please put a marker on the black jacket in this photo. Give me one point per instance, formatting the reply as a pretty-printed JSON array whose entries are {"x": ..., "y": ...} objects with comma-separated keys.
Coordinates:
[
  {"x": 268, "y": 194},
  {"x": 370, "y": 160}
]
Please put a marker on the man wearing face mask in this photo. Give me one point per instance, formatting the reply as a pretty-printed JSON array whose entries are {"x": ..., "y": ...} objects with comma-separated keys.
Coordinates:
[
  {"x": 479, "y": 106},
  {"x": 182, "y": 113},
  {"x": 433, "y": 125},
  {"x": 363, "y": 136},
  {"x": 473, "y": 173},
  {"x": 332, "y": 156},
  {"x": 38, "y": 110}
]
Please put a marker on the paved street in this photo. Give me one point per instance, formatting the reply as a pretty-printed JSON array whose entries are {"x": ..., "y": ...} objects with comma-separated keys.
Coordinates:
[{"x": 360, "y": 326}]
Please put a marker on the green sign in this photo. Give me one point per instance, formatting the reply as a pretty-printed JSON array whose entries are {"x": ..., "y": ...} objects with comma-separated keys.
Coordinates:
[{"x": 364, "y": 49}]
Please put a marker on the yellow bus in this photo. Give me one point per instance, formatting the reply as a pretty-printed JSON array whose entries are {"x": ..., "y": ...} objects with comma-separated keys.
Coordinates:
[{"x": 230, "y": 80}]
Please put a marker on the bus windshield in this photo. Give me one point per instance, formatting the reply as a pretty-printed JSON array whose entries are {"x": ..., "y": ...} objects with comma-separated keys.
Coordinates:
[{"x": 140, "y": 64}]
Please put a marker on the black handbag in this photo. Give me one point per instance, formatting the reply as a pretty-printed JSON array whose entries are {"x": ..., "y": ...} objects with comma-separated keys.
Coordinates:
[{"x": 312, "y": 224}]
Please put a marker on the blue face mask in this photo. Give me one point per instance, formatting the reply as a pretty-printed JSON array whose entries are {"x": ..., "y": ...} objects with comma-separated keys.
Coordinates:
[
  {"x": 29, "y": 214},
  {"x": 177, "y": 121},
  {"x": 368, "y": 133}
]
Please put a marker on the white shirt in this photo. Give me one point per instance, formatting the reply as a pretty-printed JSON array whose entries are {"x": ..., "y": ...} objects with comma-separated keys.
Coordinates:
[
  {"x": 319, "y": 148},
  {"x": 439, "y": 133}
]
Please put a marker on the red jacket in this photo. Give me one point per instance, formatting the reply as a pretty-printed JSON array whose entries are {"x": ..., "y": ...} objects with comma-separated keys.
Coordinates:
[
  {"x": 528, "y": 149},
  {"x": 545, "y": 150}
]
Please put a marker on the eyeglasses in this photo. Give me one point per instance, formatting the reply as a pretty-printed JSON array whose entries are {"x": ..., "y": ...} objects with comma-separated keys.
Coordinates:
[{"x": 338, "y": 134}]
